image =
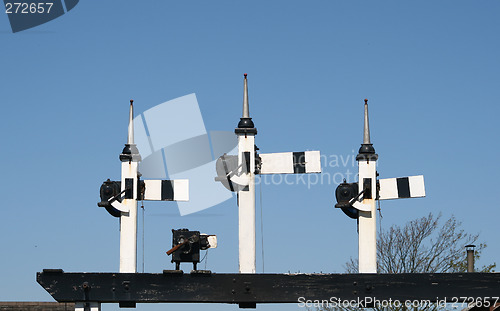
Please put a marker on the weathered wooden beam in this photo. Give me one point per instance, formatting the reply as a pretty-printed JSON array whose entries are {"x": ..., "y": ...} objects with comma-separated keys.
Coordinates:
[
  {"x": 249, "y": 289},
  {"x": 35, "y": 306}
]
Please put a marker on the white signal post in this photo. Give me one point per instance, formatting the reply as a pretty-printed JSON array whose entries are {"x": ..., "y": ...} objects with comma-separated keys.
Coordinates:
[
  {"x": 242, "y": 178},
  {"x": 367, "y": 167},
  {"x": 390, "y": 188},
  {"x": 152, "y": 190},
  {"x": 246, "y": 132},
  {"x": 130, "y": 158}
]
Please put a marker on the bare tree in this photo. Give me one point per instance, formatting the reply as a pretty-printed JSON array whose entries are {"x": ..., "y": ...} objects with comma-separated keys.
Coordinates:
[{"x": 423, "y": 245}]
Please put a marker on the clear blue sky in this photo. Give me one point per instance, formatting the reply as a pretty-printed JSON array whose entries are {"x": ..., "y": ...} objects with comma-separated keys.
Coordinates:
[{"x": 429, "y": 69}]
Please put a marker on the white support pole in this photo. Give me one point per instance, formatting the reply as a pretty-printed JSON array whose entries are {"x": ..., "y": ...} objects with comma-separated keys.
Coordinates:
[
  {"x": 246, "y": 206},
  {"x": 246, "y": 196},
  {"x": 128, "y": 221},
  {"x": 275, "y": 163},
  {"x": 367, "y": 247},
  {"x": 367, "y": 167}
]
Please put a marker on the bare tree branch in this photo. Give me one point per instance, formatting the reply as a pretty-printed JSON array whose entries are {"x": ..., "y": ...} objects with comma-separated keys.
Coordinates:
[{"x": 422, "y": 245}]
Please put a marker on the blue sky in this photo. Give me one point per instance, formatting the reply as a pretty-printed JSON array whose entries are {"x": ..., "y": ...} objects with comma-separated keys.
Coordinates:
[{"x": 429, "y": 69}]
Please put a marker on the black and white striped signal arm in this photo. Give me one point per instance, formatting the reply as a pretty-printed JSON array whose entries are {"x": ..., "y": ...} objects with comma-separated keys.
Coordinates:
[
  {"x": 234, "y": 177},
  {"x": 166, "y": 190},
  {"x": 350, "y": 198},
  {"x": 290, "y": 163},
  {"x": 401, "y": 188}
]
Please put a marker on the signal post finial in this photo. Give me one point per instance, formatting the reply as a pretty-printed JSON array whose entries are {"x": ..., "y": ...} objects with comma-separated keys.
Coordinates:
[
  {"x": 246, "y": 124},
  {"x": 130, "y": 138}
]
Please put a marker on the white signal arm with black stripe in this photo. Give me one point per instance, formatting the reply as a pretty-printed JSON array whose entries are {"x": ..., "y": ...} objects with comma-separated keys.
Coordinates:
[
  {"x": 155, "y": 190},
  {"x": 166, "y": 190},
  {"x": 234, "y": 176},
  {"x": 290, "y": 163},
  {"x": 401, "y": 188}
]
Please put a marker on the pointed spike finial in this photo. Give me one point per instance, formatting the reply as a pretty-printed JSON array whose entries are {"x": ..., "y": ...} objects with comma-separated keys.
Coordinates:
[
  {"x": 246, "y": 109},
  {"x": 366, "y": 151},
  {"x": 130, "y": 151},
  {"x": 246, "y": 125},
  {"x": 366, "y": 132},
  {"x": 130, "y": 138}
]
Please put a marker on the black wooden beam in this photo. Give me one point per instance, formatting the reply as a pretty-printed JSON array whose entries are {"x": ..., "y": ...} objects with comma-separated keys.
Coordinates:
[{"x": 249, "y": 289}]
